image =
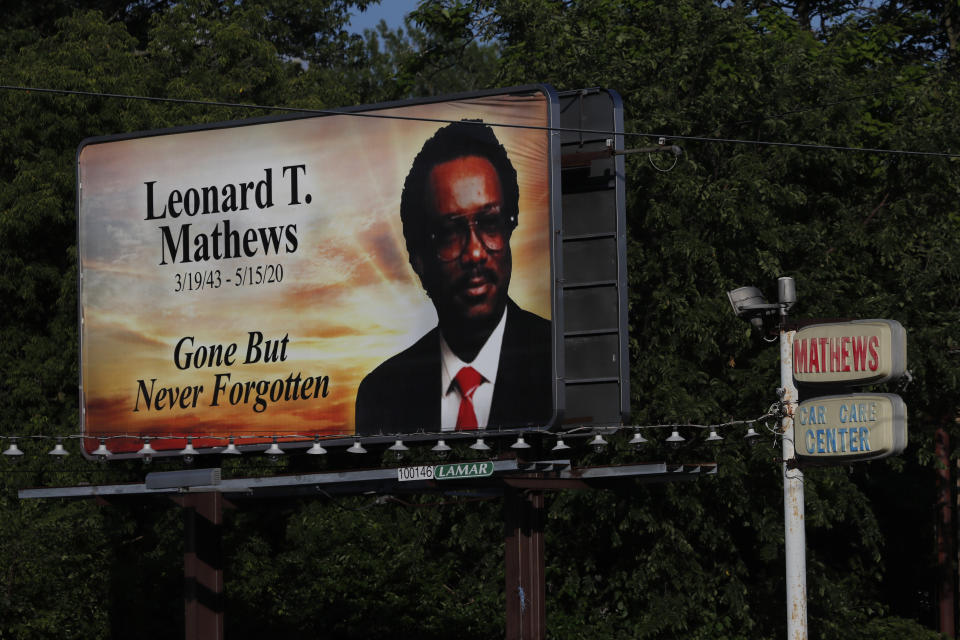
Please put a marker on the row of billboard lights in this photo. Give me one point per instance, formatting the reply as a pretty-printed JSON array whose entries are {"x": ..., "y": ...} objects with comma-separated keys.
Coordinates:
[{"x": 274, "y": 452}]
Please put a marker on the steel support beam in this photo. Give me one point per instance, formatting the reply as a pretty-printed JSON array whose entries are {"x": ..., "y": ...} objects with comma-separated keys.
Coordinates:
[
  {"x": 523, "y": 556},
  {"x": 522, "y": 484},
  {"x": 202, "y": 565}
]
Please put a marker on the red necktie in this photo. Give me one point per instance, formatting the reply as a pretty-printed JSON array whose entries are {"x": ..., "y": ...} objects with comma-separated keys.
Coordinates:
[{"x": 468, "y": 379}]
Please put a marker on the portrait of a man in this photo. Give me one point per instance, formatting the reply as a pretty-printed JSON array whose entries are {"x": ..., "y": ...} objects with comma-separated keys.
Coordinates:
[{"x": 487, "y": 364}]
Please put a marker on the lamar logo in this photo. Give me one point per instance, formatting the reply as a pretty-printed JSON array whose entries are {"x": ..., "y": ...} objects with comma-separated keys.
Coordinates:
[{"x": 464, "y": 470}]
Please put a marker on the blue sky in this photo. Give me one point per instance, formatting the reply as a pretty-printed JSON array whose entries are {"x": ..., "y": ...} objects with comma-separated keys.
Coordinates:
[{"x": 392, "y": 11}]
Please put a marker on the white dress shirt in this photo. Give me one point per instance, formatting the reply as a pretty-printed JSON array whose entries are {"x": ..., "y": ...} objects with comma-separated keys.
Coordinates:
[{"x": 486, "y": 364}]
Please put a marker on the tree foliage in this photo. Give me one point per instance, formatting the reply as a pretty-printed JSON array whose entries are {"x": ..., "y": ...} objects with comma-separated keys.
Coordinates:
[{"x": 864, "y": 234}]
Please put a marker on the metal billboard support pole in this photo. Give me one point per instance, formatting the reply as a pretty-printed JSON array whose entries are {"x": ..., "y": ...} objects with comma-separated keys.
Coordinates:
[
  {"x": 945, "y": 541},
  {"x": 524, "y": 564},
  {"x": 794, "y": 534},
  {"x": 203, "y": 565}
]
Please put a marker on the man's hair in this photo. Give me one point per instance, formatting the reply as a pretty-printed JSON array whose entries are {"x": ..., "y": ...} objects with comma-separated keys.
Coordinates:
[{"x": 457, "y": 140}]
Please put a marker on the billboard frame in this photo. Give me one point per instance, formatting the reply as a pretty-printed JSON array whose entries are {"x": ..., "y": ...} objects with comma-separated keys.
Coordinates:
[{"x": 556, "y": 259}]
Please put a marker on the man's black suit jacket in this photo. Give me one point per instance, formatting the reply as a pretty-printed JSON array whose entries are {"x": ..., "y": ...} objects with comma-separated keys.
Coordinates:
[{"x": 402, "y": 395}]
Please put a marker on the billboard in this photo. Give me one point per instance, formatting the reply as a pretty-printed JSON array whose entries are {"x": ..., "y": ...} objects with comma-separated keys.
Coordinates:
[{"x": 382, "y": 271}]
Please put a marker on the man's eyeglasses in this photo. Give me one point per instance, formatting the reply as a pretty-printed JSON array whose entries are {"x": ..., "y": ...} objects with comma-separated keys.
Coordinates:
[{"x": 452, "y": 235}]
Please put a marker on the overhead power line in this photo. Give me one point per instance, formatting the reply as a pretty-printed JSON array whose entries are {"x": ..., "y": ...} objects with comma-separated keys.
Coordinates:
[{"x": 387, "y": 116}]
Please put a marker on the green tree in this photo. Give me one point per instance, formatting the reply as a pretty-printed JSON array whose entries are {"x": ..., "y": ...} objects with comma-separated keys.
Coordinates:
[
  {"x": 75, "y": 569},
  {"x": 865, "y": 235}
]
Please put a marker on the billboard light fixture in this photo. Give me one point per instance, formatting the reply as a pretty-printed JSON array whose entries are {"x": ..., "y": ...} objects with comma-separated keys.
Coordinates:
[
  {"x": 638, "y": 440},
  {"x": 58, "y": 451},
  {"x": 441, "y": 448},
  {"x": 520, "y": 443},
  {"x": 480, "y": 445},
  {"x": 356, "y": 447},
  {"x": 752, "y": 437},
  {"x": 231, "y": 449},
  {"x": 714, "y": 436},
  {"x": 13, "y": 452},
  {"x": 101, "y": 452},
  {"x": 598, "y": 443},
  {"x": 317, "y": 449},
  {"x": 561, "y": 445},
  {"x": 274, "y": 452},
  {"x": 676, "y": 439},
  {"x": 146, "y": 452},
  {"x": 188, "y": 454},
  {"x": 398, "y": 448}
]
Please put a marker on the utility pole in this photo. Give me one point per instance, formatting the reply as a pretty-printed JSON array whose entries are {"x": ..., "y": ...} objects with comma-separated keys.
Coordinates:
[
  {"x": 794, "y": 533},
  {"x": 886, "y": 435},
  {"x": 749, "y": 304}
]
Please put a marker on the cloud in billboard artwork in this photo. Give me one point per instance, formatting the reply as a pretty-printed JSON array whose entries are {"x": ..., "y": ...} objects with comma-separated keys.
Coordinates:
[
  {"x": 223, "y": 242},
  {"x": 186, "y": 356}
]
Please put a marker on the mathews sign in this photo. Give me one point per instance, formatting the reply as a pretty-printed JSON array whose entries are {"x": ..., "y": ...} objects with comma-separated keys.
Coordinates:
[
  {"x": 859, "y": 352},
  {"x": 859, "y": 426},
  {"x": 292, "y": 277}
]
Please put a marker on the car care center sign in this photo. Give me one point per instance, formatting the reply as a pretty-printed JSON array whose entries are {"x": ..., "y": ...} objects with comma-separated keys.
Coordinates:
[
  {"x": 855, "y": 427},
  {"x": 242, "y": 278},
  {"x": 836, "y": 429}
]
